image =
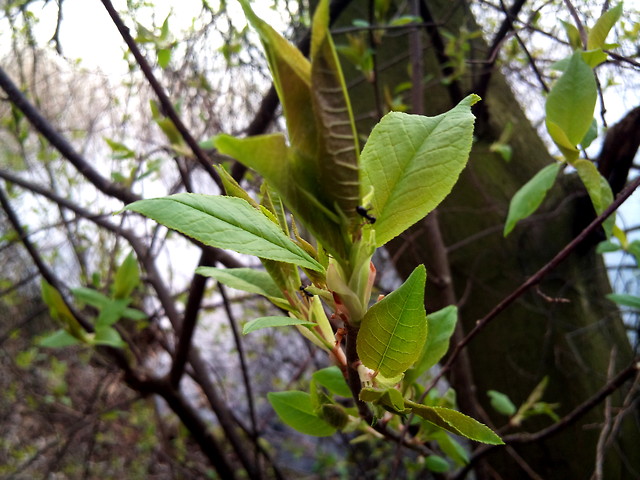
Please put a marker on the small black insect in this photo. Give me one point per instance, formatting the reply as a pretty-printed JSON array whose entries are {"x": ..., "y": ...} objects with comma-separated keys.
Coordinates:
[
  {"x": 364, "y": 212},
  {"x": 303, "y": 289}
]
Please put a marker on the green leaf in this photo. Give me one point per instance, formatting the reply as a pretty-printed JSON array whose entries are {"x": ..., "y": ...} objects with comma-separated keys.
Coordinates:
[
  {"x": 607, "y": 246},
  {"x": 275, "y": 321},
  {"x": 634, "y": 249},
  {"x": 598, "y": 189},
  {"x": 225, "y": 222},
  {"x": 59, "y": 311},
  {"x": 333, "y": 380},
  {"x": 127, "y": 277},
  {"x": 412, "y": 162},
  {"x": 440, "y": 325},
  {"x": 338, "y": 159},
  {"x": 288, "y": 174},
  {"x": 394, "y": 330},
  {"x": 625, "y": 300},
  {"x": 58, "y": 339},
  {"x": 295, "y": 409},
  {"x": 450, "y": 447},
  {"x": 456, "y": 422},
  {"x": 91, "y": 297},
  {"x": 108, "y": 336},
  {"x": 112, "y": 312},
  {"x": 501, "y": 403},
  {"x": 164, "y": 57},
  {"x": 598, "y": 34},
  {"x": 530, "y": 196},
  {"x": 573, "y": 34},
  {"x": 436, "y": 464},
  {"x": 570, "y": 105},
  {"x": 591, "y": 135},
  {"x": 390, "y": 398},
  {"x": 246, "y": 279}
]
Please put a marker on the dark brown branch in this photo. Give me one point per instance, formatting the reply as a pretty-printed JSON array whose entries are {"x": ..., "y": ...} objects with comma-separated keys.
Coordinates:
[
  {"x": 194, "y": 301},
  {"x": 61, "y": 144},
  {"x": 534, "y": 279},
  {"x": 482, "y": 85}
]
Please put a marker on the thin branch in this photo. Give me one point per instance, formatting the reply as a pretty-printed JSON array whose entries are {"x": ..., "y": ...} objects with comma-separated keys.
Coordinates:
[
  {"x": 43, "y": 126},
  {"x": 167, "y": 106},
  {"x": 579, "y": 25},
  {"x": 194, "y": 302},
  {"x": 534, "y": 280}
]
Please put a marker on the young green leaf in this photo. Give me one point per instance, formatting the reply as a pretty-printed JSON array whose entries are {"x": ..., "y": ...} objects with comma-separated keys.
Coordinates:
[
  {"x": 246, "y": 279},
  {"x": 224, "y": 222},
  {"x": 412, "y": 162},
  {"x": 625, "y": 300},
  {"x": 275, "y": 321},
  {"x": 58, "y": 339},
  {"x": 530, "y": 196},
  {"x": 598, "y": 34},
  {"x": 598, "y": 189},
  {"x": 112, "y": 312},
  {"x": 295, "y": 409},
  {"x": 437, "y": 464},
  {"x": 108, "y": 336},
  {"x": 440, "y": 326},
  {"x": 390, "y": 398},
  {"x": 394, "y": 330},
  {"x": 570, "y": 106},
  {"x": 333, "y": 380},
  {"x": 501, "y": 403},
  {"x": 127, "y": 277},
  {"x": 456, "y": 422}
]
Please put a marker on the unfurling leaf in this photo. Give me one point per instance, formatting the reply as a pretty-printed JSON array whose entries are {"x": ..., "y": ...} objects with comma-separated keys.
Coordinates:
[{"x": 266, "y": 322}]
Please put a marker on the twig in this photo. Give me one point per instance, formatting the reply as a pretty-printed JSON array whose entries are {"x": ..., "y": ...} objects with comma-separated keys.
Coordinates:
[
  {"x": 43, "y": 126},
  {"x": 579, "y": 25},
  {"x": 534, "y": 279},
  {"x": 167, "y": 106},
  {"x": 606, "y": 424}
]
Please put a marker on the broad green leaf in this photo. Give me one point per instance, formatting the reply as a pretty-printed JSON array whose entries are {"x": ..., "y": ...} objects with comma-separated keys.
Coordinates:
[
  {"x": 287, "y": 173},
  {"x": 333, "y": 380},
  {"x": 625, "y": 300},
  {"x": 501, "y": 403},
  {"x": 394, "y": 330},
  {"x": 58, "y": 339},
  {"x": 598, "y": 34},
  {"x": 440, "y": 325},
  {"x": 571, "y": 103},
  {"x": 246, "y": 279},
  {"x": 127, "y": 277},
  {"x": 164, "y": 57},
  {"x": 224, "y": 222},
  {"x": 294, "y": 408},
  {"x": 456, "y": 422},
  {"x": 412, "y": 162},
  {"x": 108, "y": 336},
  {"x": 598, "y": 189},
  {"x": 634, "y": 249},
  {"x": 275, "y": 321},
  {"x": 338, "y": 160},
  {"x": 530, "y": 196}
]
